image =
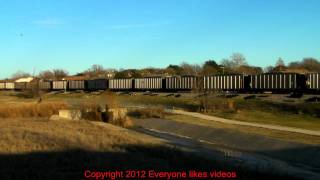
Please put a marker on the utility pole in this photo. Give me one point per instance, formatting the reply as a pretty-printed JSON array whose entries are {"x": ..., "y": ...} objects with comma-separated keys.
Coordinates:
[
  {"x": 34, "y": 72},
  {"x": 222, "y": 67}
]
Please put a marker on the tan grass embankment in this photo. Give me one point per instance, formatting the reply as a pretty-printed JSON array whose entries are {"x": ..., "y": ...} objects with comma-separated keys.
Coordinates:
[
  {"x": 20, "y": 135},
  {"x": 42, "y": 149},
  {"x": 31, "y": 110}
]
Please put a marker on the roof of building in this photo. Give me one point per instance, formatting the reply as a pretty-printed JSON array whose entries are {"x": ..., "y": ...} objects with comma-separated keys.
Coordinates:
[
  {"x": 27, "y": 79},
  {"x": 75, "y": 78}
]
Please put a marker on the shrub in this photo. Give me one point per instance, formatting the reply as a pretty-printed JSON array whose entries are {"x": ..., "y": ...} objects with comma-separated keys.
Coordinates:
[
  {"x": 105, "y": 108},
  {"x": 148, "y": 113},
  {"x": 123, "y": 122},
  {"x": 91, "y": 111}
]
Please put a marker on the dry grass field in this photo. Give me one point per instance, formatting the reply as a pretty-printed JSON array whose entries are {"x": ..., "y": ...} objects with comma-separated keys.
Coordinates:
[
  {"x": 34, "y": 147},
  {"x": 24, "y": 135},
  {"x": 52, "y": 149}
]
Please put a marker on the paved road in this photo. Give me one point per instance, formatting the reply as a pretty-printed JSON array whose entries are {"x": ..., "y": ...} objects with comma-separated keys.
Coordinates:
[
  {"x": 263, "y": 151},
  {"x": 228, "y": 121}
]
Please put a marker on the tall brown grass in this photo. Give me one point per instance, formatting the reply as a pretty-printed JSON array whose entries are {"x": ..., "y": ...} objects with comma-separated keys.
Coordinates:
[
  {"x": 125, "y": 122},
  {"x": 152, "y": 112},
  {"x": 27, "y": 110}
]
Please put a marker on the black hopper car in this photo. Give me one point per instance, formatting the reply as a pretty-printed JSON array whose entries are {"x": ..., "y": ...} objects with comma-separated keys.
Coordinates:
[{"x": 277, "y": 82}]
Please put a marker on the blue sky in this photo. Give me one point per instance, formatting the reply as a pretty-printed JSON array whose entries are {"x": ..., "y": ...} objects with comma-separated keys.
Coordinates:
[{"x": 74, "y": 34}]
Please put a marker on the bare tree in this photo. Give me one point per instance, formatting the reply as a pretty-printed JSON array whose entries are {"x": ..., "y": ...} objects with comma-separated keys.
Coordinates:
[
  {"x": 226, "y": 63},
  {"x": 306, "y": 65},
  {"x": 60, "y": 73},
  {"x": 20, "y": 74},
  {"x": 280, "y": 62},
  {"x": 47, "y": 75},
  {"x": 96, "y": 69},
  {"x": 268, "y": 69},
  {"x": 280, "y": 66},
  {"x": 237, "y": 60},
  {"x": 190, "y": 69},
  {"x": 311, "y": 64}
]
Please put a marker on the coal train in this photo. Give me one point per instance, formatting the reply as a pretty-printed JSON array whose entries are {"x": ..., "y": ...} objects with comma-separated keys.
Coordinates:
[{"x": 267, "y": 82}]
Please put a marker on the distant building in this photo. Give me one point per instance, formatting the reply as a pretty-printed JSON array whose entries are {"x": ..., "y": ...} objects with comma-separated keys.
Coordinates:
[
  {"x": 75, "y": 78},
  {"x": 26, "y": 79},
  {"x": 110, "y": 74}
]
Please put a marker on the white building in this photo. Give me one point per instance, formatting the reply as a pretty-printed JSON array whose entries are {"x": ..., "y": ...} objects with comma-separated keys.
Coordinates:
[{"x": 27, "y": 79}]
